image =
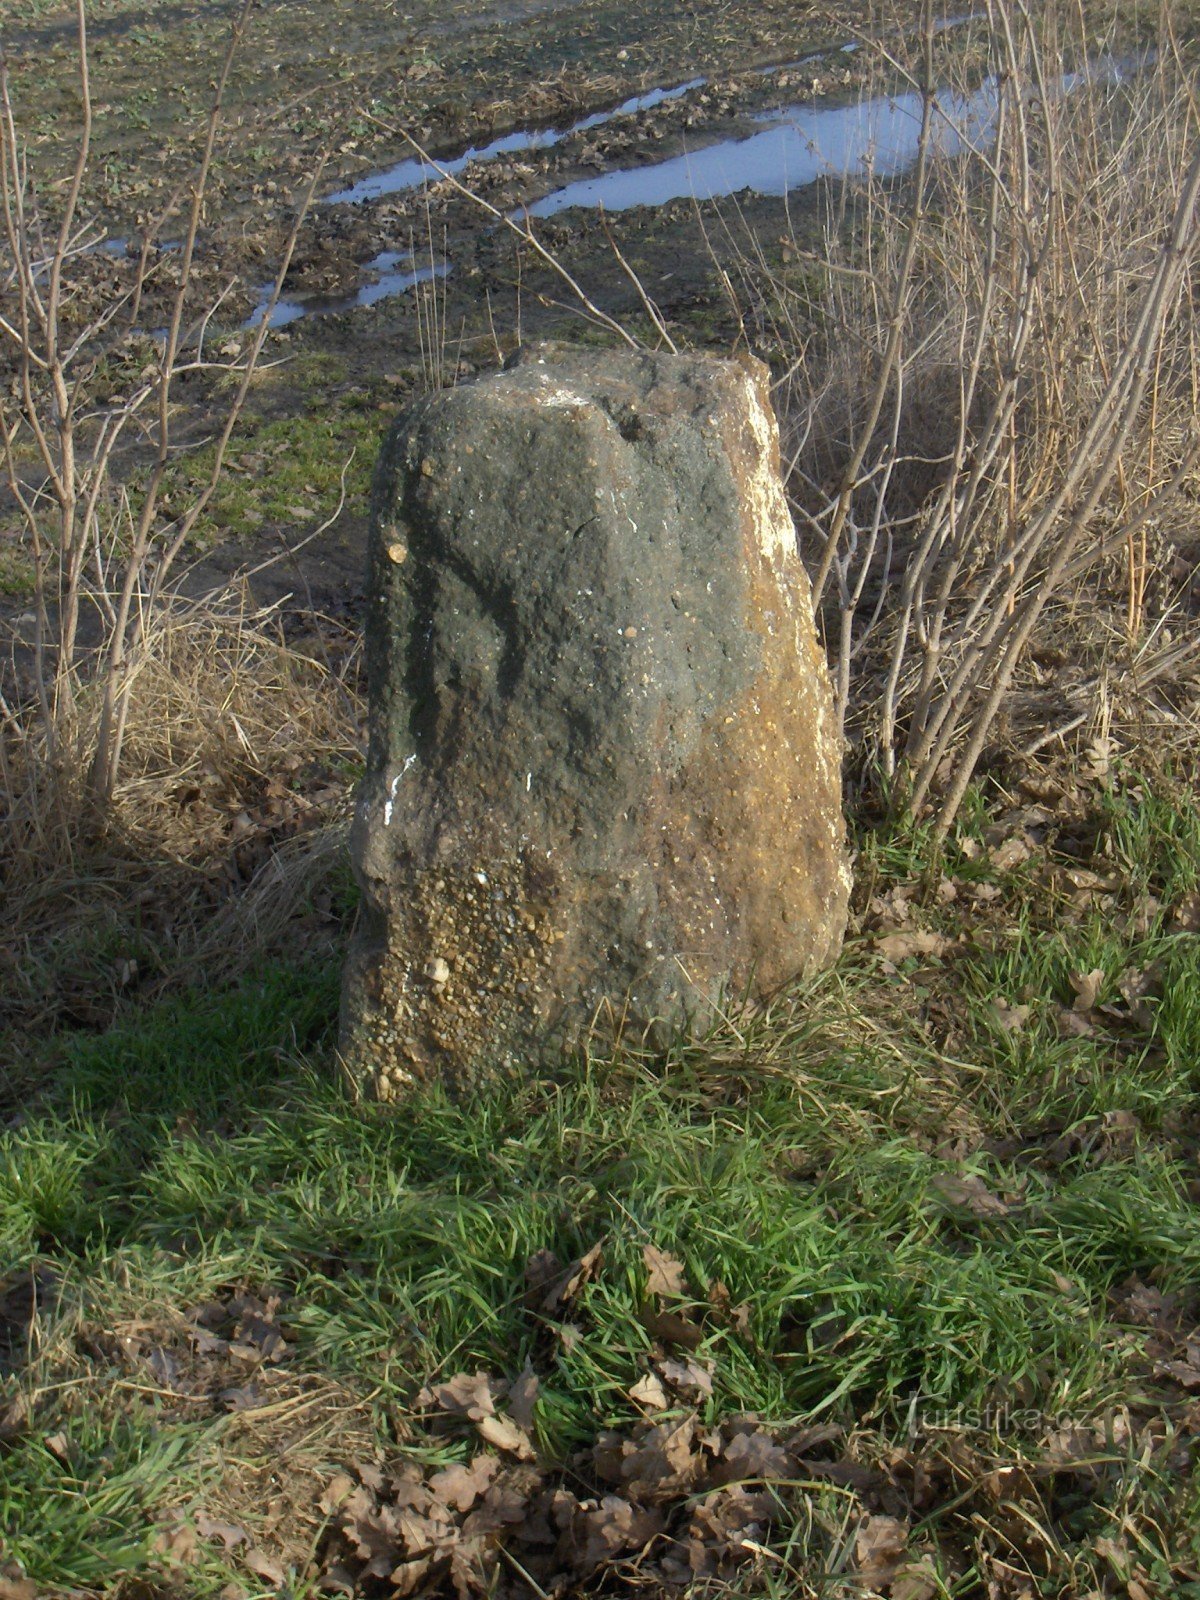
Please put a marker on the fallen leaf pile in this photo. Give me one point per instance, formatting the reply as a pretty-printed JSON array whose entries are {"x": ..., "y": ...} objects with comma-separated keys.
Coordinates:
[
  {"x": 673, "y": 1499},
  {"x": 673, "y": 1502},
  {"x": 230, "y": 1351},
  {"x": 1173, "y": 1343}
]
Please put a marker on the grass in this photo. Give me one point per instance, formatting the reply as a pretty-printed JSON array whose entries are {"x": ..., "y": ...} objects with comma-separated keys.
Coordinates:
[
  {"x": 918, "y": 1200},
  {"x": 803, "y": 1165},
  {"x": 286, "y": 469},
  {"x": 17, "y": 580}
]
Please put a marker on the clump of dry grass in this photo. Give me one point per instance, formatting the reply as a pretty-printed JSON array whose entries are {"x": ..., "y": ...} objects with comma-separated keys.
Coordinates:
[
  {"x": 226, "y": 829},
  {"x": 991, "y": 388}
]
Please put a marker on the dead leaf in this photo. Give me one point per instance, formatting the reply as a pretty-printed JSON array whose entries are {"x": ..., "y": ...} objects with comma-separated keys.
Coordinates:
[
  {"x": 693, "y": 1381},
  {"x": 177, "y": 1544},
  {"x": 1185, "y": 1373},
  {"x": 672, "y": 1327},
  {"x": 542, "y": 1268},
  {"x": 817, "y": 1433},
  {"x": 464, "y": 1395},
  {"x": 756, "y": 1455},
  {"x": 550, "y": 1287},
  {"x": 1145, "y": 1304},
  {"x": 1068, "y": 1447},
  {"x": 165, "y": 1367},
  {"x": 460, "y": 1487},
  {"x": 1137, "y": 986},
  {"x": 970, "y": 1194},
  {"x": 228, "y": 1533},
  {"x": 720, "y": 1299},
  {"x": 1099, "y": 754},
  {"x": 666, "y": 1274},
  {"x": 579, "y": 1273},
  {"x": 264, "y": 1566},
  {"x": 1011, "y": 1018},
  {"x": 1186, "y": 917},
  {"x": 208, "y": 1344},
  {"x": 18, "y": 1589},
  {"x": 1072, "y": 1024},
  {"x": 505, "y": 1435},
  {"x": 916, "y": 1580},
  {"x": 608, "y": 1455},
  {"x": 984, "y": 893},
  {"x": 614, "y": 1528},
  {"x": 1144, "y": 913},
  {"x": 338, "y": 1489},
  {"x": 879, "y": 1549},
  {"x": 1087, "y": 987},
  {"x": 915, "y": 942},
  {"x": 14, "y": 1417},
  {"x": 1010, "y": 854},
  {"x": 409, "y": 1576},
  {"x": 243, "y": 1398},
  {"x": 263, "y": 1333},
  {"x": 1092, "y": 882},
  {"x": 1115, "y": 1554},
  {"x": 662, "y": 1460},
  {"x": 649, "y": 1392}
]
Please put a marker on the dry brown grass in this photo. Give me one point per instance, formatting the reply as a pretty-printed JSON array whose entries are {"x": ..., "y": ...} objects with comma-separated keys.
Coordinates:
[
  {"x": 991, "y": 393},
  {"x": 225, "y": 837}
]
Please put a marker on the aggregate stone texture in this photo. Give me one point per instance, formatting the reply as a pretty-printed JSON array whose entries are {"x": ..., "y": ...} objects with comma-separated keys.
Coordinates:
[{"x": 603, "y": 788}]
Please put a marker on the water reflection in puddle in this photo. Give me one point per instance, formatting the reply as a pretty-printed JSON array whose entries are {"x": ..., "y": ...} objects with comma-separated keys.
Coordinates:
[
  {"x": 414, "y": 172},
  {"x": 800, "y": 146},
  {"x": 122, "y": 247},
  {"x": 390, "y": 273}
]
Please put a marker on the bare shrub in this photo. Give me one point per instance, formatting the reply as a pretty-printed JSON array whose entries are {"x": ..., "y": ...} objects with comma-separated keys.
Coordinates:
[
  {"x": 992, "y": 389},
  {"x": 226, "y": 835},
  {"x": 89, "y": 427},
  {"x": 169, "y": 765}
]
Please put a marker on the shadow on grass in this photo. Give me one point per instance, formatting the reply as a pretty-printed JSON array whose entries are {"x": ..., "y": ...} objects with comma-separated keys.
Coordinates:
[{"x": 864, "y": 1221}]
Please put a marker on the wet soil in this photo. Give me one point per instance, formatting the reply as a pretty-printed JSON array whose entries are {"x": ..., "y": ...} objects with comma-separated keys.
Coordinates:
[
  {"x": 425, "y": 283},
  {"x": 348, "y": 75}
]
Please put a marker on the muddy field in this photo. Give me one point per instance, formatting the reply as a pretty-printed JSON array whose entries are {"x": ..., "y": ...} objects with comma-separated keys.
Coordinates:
[
  {"x": 397, "y": 272},
  {"x": 595, "y": 124},
  {"x": 887, "y": 1287}
]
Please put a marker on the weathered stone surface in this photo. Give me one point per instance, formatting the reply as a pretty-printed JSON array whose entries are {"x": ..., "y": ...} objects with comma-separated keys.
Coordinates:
[{"x": 603, "y": 786}]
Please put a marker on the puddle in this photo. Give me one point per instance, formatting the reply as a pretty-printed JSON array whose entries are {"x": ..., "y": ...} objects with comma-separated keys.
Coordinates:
[
  {"x": 412, "y": 173},
  {"x": 797, "y": 146},
  {"x": 123, "y": 247},
  {"x": 390, "y": 273},
  {"x": 800, "y": 146}
]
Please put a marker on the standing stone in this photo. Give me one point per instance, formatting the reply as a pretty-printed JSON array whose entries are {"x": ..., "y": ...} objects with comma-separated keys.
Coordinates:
[{"x": 603, "y": 785}]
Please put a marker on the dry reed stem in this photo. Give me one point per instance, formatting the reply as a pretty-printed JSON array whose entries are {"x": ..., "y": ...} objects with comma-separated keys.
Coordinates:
[
  {"x": 99, "y": 536},
  {"x": 996, "y": 392}
]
